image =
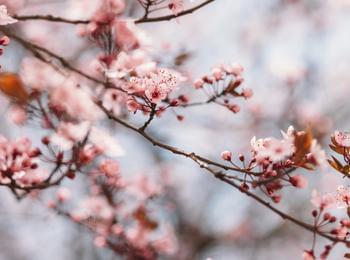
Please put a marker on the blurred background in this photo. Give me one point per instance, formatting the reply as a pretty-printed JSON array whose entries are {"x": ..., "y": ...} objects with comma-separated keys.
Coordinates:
[{"x": 296, "y": 57}]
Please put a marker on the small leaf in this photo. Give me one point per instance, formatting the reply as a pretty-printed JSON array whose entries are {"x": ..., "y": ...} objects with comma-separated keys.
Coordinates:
[{"x": 337, "y": 149}]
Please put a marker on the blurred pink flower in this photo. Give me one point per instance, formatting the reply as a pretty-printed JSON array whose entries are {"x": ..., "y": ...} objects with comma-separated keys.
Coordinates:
[
  {"x": 5, "y": 19},
  {"x": 17, "y": 115},
  {"x": 343, "y": 197},
  {"x": 272, "y": 148},
  {"x": 17, "y": 158},
  {"x": 67, "y": 134},
  {"x": 107, "y": 144},
  {"x": 342, "y": 138},
  {"x": 322, "y": 201},
  {"x": 76, "y": 101},
  {"x": 176, "y": 6}
]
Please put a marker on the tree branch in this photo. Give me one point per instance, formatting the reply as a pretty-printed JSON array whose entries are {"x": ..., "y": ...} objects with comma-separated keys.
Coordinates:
[
  {"x": 204, "y": 163},
  {"x": 144, "y": 19}
]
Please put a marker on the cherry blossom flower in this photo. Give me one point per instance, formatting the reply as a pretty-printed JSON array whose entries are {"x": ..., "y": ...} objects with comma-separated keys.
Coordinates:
[
  {"x": 199, "y": 83},
  {"x": 271, "y": 148},
  {"x": 318, "y": 154},
  {"x": 110, "y": 168},
  {"x": 33, "y": 177},
  {"x": 176, "y": 6},
  {"x": 107, "y": 144},
  {"x": 235, "y": 69},
  {"x": 342, "y": 138},
  {"x": 5, "y": 19},
  {"x": 125, "y": 63},
  {"x": 289, "y": 134},
  {"x": 247, "y": 93},
  {"x": 343, "y": 197},
  {"x": 93, "y": 207},
  {"x": 39, "y": 76},
  {"x": 17, "y": 158},
  {"x": 226, "y": 155},
  {"x": 155, "y": 86},
  {"x": 143, "y": 187},
  {"x": 17, "y": 115},
  {"x": 126, "y": 38},
  {"x": 68, "y": 134},
  {"x": 308, "y": 255},
  {"x": 76, "y": 101},
  {"x": 322, "y": 201},
  {"x": 63, "y": 194},
  {"x": 114, "y": 101},
  {"x": 298, "y": 181}
]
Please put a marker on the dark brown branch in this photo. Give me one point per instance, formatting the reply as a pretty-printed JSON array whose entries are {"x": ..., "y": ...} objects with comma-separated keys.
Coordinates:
[
  {"x": 172, "y": 16},
  {"x": 204, "y": 163},
  {"x": 144, "y": 19},
  {"x": 49, "y": 18}
]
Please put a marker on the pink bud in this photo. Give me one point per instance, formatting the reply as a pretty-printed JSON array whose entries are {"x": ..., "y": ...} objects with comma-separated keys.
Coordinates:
[
  {"x": 217, "y": 73},
  {"x": 63, "y": 194},
  {"x": 4, "y": 40},
  {"x": 198, "y": 83},
  {"x": 226, "y": 155},
  {"x": 247, "y": 93},
  {"x": 100, "y": 241}
]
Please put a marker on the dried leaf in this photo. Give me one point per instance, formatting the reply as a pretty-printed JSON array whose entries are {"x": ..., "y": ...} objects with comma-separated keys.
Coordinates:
[
  {"x": 181, "y": 58},
  {"x": 141, "y": 216},
  {"x": 302, "y": 143},
  {"x": 337, "y": 149}
]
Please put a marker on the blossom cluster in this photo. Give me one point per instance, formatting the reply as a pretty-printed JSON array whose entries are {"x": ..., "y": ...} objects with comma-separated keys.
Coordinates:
[
  {"x": 19, "y": 163},
  {"x": 125, "y": 224},
  {"x": 274, "y": 161},
  {"x": 5, "y": 19},
  {"x": 222, "y": 84}
]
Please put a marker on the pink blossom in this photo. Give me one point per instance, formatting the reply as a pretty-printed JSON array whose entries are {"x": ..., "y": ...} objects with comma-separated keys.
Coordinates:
[
  {"x": 226, "y": 155},
  {"x": 17, "y": 158},
  {"x": 218, "y": 73},
  {"x": 155, "y": 86},
  {"x": 132, "y": 104},
  {"x": 63, "y": 194},
  {"x": 76, "y": 101},
  {"x": 114, "y": 100},
  {"x": 39, "y": 76},
  {"x": 126, "y": 62},
  {"x": 33, "y": 177},
  {"x": 298, "y": 181},
  {"x": 68, "y": 134},
  {"x": 110, "y": 168},
  {"x": 342, "y": 138},
  {"x": 271, "y": 148},
  {"x": 5, "y": 19},
  {"x": 107, "y": 144},
  {"x": 342, "y": 232},
  {"x": 247, "y": 93},
  {"x": 318, "y": 154},
  {"x": 343, "y": 197},
  {"x": 126, "y": 38},
  {"x": 93, "y": 207},
  {"x": 100, "y": 241},
  {"x": 234, "y": 69},
  {"x": 308, "y": 255},
  {"x": 322, "y": 201},
  {"x": 176, "y": 6},
  {"x": 143, "y": 187},
  {"x": 17, "y": 115},
  {"x": 198, "y": 83},
  {"x": 289, "y": 134}
]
